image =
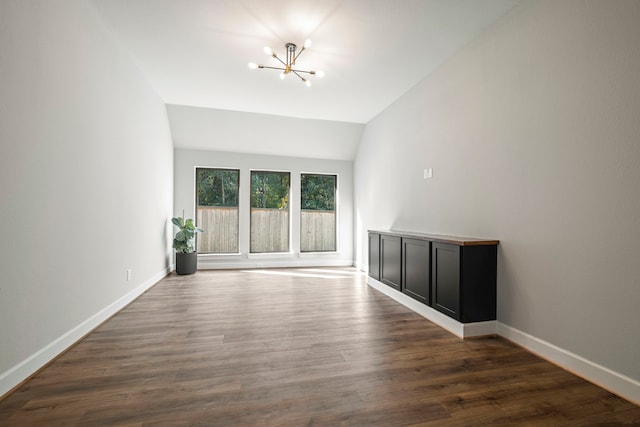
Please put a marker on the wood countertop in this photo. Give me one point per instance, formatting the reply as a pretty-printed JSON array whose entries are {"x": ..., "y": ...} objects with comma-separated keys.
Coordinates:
[{"x": 454, "y": 240}]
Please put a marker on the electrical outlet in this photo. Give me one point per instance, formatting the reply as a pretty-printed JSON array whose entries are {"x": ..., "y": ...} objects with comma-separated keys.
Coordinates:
[
  {"x": 128, "y": 274},
  {"x": 428, "y": 173}
]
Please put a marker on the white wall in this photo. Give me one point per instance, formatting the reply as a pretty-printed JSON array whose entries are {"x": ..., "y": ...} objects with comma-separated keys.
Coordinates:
[
  {"x": 200, "y": 128},
  {"x": 86, "y": 171},
  {"x": 185, "y": 162},
  {"x": 533, "y": 134}
]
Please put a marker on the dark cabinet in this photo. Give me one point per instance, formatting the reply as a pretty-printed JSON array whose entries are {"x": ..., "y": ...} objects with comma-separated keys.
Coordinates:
[
  {"x": 390, "y": 261},
  {"x": 416, "y": 274},
  {"x": 454, "y": 275},
  {"x": 464, "y": 281},
  {"x": 374, "y": 255}
]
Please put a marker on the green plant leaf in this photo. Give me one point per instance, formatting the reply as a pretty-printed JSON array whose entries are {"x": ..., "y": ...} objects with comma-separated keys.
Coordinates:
[{"x": 184, "y": 240}]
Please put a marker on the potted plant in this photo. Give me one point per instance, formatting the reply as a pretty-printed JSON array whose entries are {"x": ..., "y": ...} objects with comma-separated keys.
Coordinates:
[{"x": 185, "y": 246}]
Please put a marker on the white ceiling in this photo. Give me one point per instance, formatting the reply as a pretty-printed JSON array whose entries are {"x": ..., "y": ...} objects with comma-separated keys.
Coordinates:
[{"x": 195, "y": 52}]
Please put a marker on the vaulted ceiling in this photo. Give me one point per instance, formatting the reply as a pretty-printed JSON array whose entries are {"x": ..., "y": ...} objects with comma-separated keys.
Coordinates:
[{"x": 195, "y": 52}]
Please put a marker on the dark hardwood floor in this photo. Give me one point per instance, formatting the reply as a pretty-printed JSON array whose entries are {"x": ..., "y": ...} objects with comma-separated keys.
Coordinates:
[{"x": 296, "y": 347}]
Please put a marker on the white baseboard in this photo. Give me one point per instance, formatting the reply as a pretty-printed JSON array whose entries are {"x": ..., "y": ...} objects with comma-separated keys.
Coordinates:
[
  {"x": 23, "y": 370},
  {"x": 273, "y": 263},
  {"x": 462, "y": 330},
  {"x": 606, "y": 378},
  {"x": 360, "y": 266}
]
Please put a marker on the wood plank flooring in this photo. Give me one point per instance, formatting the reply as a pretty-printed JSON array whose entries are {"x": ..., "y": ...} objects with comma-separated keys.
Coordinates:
[{"x": 296, "y": 347}]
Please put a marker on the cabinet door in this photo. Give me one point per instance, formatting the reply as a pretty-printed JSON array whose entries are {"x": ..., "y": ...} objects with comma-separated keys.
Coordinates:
[
  {"x": 390, "y": 261},
  {"x": 416, "y": 269},
  {"x": 445, "y": 279},
  {"x": 374, "y": 255}
]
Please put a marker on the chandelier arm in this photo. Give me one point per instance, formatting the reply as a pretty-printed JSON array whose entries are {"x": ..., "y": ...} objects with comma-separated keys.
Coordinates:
[
  {"x": 272, "y": 68},
  {"x": 296, "y": 73},
  {"x": 281, "y": 61},
  {"x": 298, "y": 55},
  {"x": 313, "y": 73}
]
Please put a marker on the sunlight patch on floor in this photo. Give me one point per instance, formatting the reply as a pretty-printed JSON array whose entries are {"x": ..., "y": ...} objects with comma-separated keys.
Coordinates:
[
  {"x": 298, "y": 274},
  {"x": 337, "y": 272}
]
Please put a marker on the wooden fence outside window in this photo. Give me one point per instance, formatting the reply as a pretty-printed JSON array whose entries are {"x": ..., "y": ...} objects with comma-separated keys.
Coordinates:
[{"x": 269, "y": 230}]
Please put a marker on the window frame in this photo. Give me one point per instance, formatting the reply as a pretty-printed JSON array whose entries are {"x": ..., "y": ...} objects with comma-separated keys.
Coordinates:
[
  {"x": 239, "y": 199},
  {"x": 289, "y": 250},
  {"x": 336, "y": 213}
]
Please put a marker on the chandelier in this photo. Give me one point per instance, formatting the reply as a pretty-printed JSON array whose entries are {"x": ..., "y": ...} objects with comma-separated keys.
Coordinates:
[{"x": 289, "y": 62}]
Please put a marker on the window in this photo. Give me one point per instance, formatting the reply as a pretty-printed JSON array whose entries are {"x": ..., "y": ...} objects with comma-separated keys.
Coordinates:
[
  {"x": 269, "y": 211},
  {"x": 217, "y": 210},
  {"x": 318, "y": 213}
]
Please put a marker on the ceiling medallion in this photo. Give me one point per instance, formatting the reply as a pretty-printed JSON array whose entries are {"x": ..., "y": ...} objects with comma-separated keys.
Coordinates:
[{"x": 289, "y": 63}]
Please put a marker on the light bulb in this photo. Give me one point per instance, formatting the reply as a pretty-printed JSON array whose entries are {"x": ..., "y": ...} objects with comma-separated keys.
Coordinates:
[
  {"x": 320, "y": 74},
  {"x": 282, "y": 76},
  {"x": 307, "y": 43},
  {"x": 308, "y": 83},
  {"x": 253, "y": 65},
  {"x": 268, "y": 50}
]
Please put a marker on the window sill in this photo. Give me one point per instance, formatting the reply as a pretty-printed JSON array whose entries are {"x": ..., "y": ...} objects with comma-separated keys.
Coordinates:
[
  {"x": 230, "y": 255},
  {"x": 319, "y": 254},
  {"x": 270, "y": 255}
]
